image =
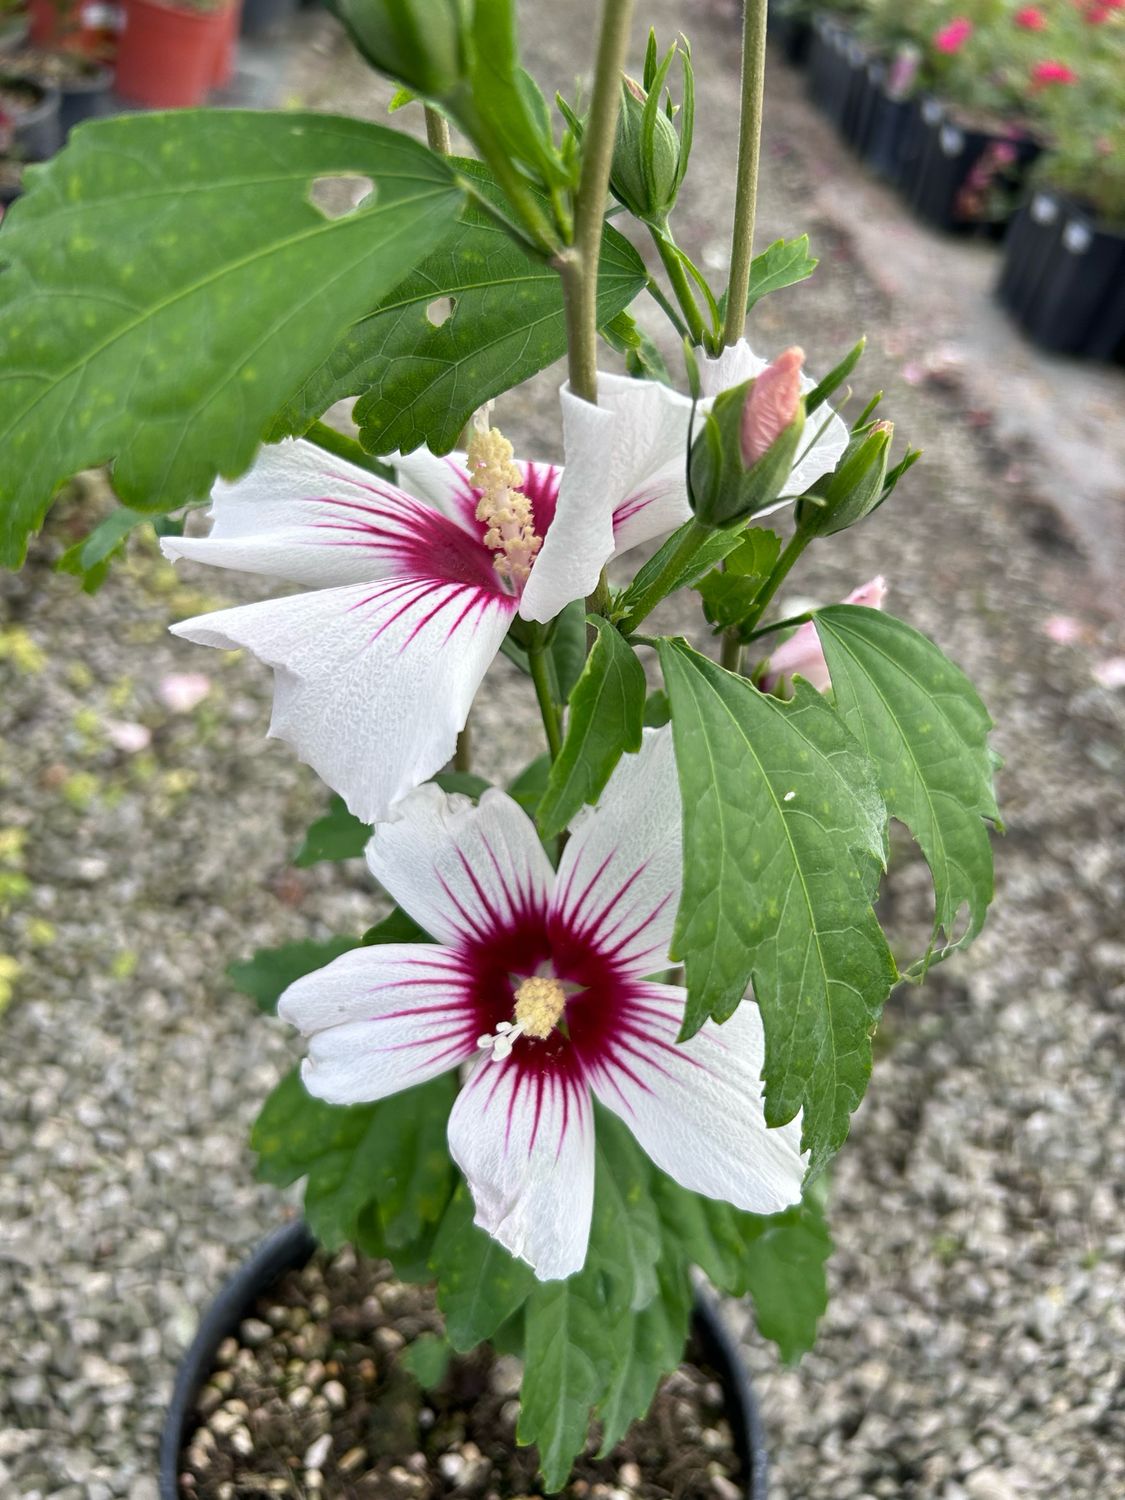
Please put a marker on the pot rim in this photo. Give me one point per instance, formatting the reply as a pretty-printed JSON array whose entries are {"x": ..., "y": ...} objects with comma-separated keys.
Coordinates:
[{"x": 291, "y": 1245}]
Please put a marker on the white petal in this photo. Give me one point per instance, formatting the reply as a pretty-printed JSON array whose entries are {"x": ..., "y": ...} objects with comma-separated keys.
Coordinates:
[
  {"x": 525, "y": 1142},
  {"x": 696, "y": 1107},
  {"x": 381, "y": 1019},
  {"x": 825, "y": 436},
  {"x": 619, "y": 876},
  {"x": 442, "y": 482},
  {"x": 461, "y": 870},
  {"x": 623, "y": 483},
  {"x": 307, "y": 516},
  {"x": 372, "y": 682}
]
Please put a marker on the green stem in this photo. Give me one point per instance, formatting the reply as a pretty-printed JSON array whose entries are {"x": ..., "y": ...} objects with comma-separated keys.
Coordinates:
[
  {"x": 548, "y": 708},
  {"x": 730, "y": 652},
  {"x": 691, "y": 541},
  {"x": 656, "y": 292},
  {"x": 579, "y": 268},
  {"x": 517, "y": 190},
  {"x": 681, "y": 285},
  {"x": 762, "y": 630},
  {"x": 345, "y": 447},
  {"x": 437, "y": 132},
  {"x": 781, "y": 569},
  {"x": 749, "y": 150}
]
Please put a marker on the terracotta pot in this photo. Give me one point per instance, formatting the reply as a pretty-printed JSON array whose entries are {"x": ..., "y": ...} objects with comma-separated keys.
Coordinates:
[
  {"x": 63, "y": 25},
  {"x": 226, "y": 55},
  {"x": 168, "y": 58}
]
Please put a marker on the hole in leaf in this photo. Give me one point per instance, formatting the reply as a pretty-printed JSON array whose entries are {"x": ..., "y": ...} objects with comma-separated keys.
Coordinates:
[
  {"x": 336, "y": 197},
  {"x": 440, "y": 310}
]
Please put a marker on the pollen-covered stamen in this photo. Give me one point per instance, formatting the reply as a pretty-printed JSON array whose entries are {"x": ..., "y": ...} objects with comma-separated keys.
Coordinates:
[
  {"x": 540, "y": 1004},
  {"x": 504, "y": 510}
]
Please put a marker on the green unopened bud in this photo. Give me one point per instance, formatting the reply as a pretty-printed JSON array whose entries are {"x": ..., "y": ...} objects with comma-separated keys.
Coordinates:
[
  {"x": 418, "y": 42},
  {"x": 646, "y": 155},
  {"x": 723, "y": 487},
  {"x": 853, "y": 489}
]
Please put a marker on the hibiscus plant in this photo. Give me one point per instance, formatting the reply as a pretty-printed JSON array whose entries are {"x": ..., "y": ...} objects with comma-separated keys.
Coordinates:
[{"x": 620, "y": 1014}]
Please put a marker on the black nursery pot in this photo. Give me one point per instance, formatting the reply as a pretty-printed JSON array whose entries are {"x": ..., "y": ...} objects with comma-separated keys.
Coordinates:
[
  {"x": 958, "y": 169},
  {"x": 291, "y": 1246},
  {"x": 888, "y": 121},
  {"x": 1063, "y": 277},
  {"x": 793, "y": 36},
  {"x": 35, "y": 130},
  {"x": 261, "y": 18},
  {"x": 87, "y": 97}
]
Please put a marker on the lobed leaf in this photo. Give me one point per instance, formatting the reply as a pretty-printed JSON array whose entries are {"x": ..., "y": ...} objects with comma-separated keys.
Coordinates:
[
  {"x": 925, "y": 730},
  {"x": 167, "y": 285},
  {"x": 472, "y": 320},
  {"x": 784, "y": 839}
]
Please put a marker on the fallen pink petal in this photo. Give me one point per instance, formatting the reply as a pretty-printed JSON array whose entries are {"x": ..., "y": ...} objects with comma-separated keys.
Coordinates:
[{"x": 180, "y": 692}]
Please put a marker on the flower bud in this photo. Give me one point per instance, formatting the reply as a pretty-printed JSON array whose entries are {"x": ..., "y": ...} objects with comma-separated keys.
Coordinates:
[
  {"x": 803, "y": 655},
  {"x": 854, "y": 488},
  {"x": 742, "y": 459},
  {"x": 420, "y": 43},
  {"x": 645, "y": 173}
]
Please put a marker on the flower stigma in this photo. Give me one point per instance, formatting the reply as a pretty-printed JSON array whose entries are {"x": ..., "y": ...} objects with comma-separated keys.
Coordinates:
[
  {"x": 503, "y": 508},
  {"x": 540, "y": 1004}
]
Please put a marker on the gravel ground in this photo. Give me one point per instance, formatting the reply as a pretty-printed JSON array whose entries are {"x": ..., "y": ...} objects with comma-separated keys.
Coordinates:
[{"x": 973, "y": 1344}]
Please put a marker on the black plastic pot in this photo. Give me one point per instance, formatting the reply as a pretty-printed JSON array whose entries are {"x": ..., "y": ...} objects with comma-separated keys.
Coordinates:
[
  {"x": 1062, "y": 278},
  {"x": 793, "y": 36},
  {"x": 263, "y": 17},
  {"x": 885, "y": 130},
  {"x": 959, "y": 169},
  {"x": 292, "y": 1245},
  {"x": 35, "y": 132},
  {"x": 87, "y": 97}
]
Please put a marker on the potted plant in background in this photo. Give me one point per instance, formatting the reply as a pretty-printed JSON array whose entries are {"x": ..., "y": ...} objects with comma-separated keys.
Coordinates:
[
  {"x": 29, "y": 116},
  {"x": 1064, "y": 263},
  {"x": 614, "y": 1025},
  {"x": 14, "y": 25},
  {"x": 171, "y": 56},
  {"x": 83, "y": 82}
]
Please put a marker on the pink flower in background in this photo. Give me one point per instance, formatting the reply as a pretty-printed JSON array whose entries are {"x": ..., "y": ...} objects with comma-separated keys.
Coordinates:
[
  {"x": 771, "y": 404},
  {"x": 1044, "y": 73},
  {"x": 1111, "y": 672},
  {"x": 538, "y": 984},
  {"x": 1064, "y": 630},
  {"x": 953, "y": 37},
  {"x": 801, "y": 654},
  {"x": 180, "y": 692},
  {"x": 1031, "y": 18},
  {"x": 127, "y": 736}
]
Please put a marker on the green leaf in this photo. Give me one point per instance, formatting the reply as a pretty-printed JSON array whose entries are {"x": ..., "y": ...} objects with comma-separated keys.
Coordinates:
[
  {"x": 167, "y": 285},
  {"x": 528, "y": 787},
  {"x": 649, "y": 1347},
  {"x": 783, "y": 263},
  {"x": 419, "y": 373},
  {"x": 606, "y": 719},
  {"x": 90, "y": 558},
  {"x": 835, "y": 377},
  {"x": 427, "y": 1359},
  {"x": 658, "y": 711},
  {"x": 567, "y": 646},
  {"x": 784, "y": 1274},
  {"x": 777, "y": 1259},
  {"x": 625, "y": 1240},
  {"x": 926, "y": 731},
  {"x": 507, "y": 96},
  {"x": 565, "y": 1334},
  {"x": 272, "y": 970},
  {"x": 479, "y": 1285},
  {"x": 657, "y": 578},
  {"x": 396, "y": 928},
  {"x": 392, "y": 1155},
  {"x": 338, "y": 835},
  {"x": 467, "y": 783},
  {"x": 784, "y": 839},
  {"x": 728, "y": 594}
]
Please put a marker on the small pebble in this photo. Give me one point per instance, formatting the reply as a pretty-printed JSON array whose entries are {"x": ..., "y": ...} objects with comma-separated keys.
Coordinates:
[
  {"x": 314, "y": 1479},
  {"x": 254, "y": 1333},
  {"x": 318, "y": 1451},
  {"x": 335, "y": 1394},
  {"x": 242, "y": 1442},
  {"x": 353, "y": 1459}
]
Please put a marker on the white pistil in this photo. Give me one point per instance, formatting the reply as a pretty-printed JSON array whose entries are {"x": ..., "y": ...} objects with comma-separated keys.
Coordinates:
[
  {"x": 503, "y": 508},
  {"x": 539, "y": 1007}
]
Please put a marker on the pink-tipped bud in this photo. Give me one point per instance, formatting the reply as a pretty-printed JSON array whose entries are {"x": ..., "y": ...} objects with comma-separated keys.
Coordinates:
[{"x": 771, "y": 404}]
